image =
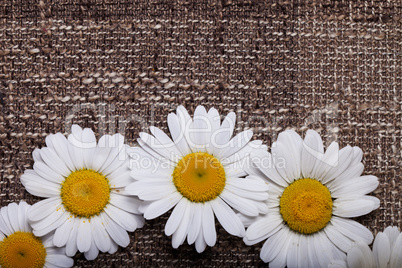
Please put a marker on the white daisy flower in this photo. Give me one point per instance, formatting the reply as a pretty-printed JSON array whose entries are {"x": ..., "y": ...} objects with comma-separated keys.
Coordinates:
[
  {"x": 387, "y": 252},
  {"x": 311, "y": 196},
  {"x": 20, "y": 248},
  {"x": 84, "y": 182},
  {"x": 200, "y": 173}
]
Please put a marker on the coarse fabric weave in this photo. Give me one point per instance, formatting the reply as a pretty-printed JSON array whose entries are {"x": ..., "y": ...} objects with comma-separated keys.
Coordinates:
[{"x": 123, "y": 65}]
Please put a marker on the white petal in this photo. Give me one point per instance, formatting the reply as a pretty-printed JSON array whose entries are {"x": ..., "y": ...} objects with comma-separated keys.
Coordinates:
[
  {"x": 52, "y": 160},
  {"x": 328, "y": 161},
  {"x": 360, "y": 256},
  {"x": 165, "y": 140},
  {"x": 176, "y": 217},
  {"x": 221, "y": 137},
  {"x": 245, "y": 151},
  {"x": 113, "y": 247},
  {"x": 5, "y": 225},
  {"x": 23, "y": 208},
  {"x": 292, "y": 259},
  {"x": 117, "y": 233},
  {"x": 195, "y": 223},
  {"x": 215, "y": 122},
  {"x": 178, "y": 134},
  {"x": 234, "y": 170},
  {"x": 151, "y": 189},
  {"x": 76, "y": 154},
  {"x": 92, "y": 253},
  {"x": 227, "y": 218},
  {"x": 101, "y": 237},
  {"x": 312, "y": 253},
  {"x": 336, "y": 237},
  {"x": 71, "y": 246},
  {"x": 381, "y": 250},
  {"x": 38, "y": 186},
  {"x": 345, "y": 157},
  {"x": 392, "y": 232},
  {"x": 322, "y": 246},
  {"x": 44, "y": 208},
  {"x": 153, "y": 145},
  {"x": 275, "y": 245},
  {"x": 243, "y": 205},
  {"x": 127, "y": 203},
  {"x": 265, "y": 226},
  {"x": 235, "y": 144},
  {"x": 59, "y": 260},
  {"x": 350, "y": 173},
  {"x": 161, "y": 206},
  {"x": 180, "y": 235},
  {"x": 12, "y": 211},
  {"x": 250, "y": 183},
  {"x": 312, "y": 150},
  {"x": 352, "y": 229},
  {"x": 117, "y": 155},
  {"x": 45, "y": 226},
  {"x": 62, "y": 233},
  {"x": 208, "y": 225},
  {"x": 355, "y": 187},
  {"x": 260, "y": 196},
  {"x": 88, "y": 140},
  {"x": 124, "y": 219},
  {"x": 289, "y": 148},
  {"x": 122, "y": 180},
  {"x": 265, "y": 163},
  {"x": 200, "y": 243},
  {"x": 59, "y": 144},
  {"x": 396, "y": 256},
  {"x": 197, "y": 131},
  {"x": 102, "y": 152},
  {"x": 47, "y": 173},
  {"x": 354, "y": 207}
]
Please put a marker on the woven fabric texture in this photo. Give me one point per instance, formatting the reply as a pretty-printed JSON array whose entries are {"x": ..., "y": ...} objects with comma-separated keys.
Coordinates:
[{"x": 122, "y": 66}]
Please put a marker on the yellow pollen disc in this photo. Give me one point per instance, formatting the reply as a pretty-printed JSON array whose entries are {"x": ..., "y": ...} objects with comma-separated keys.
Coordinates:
[
  {"x": 306, "y": 206},
  {"x": 22, "y": 250},
  {"x": 199, "y": 177},
  {"x": 85, "y": 193}
]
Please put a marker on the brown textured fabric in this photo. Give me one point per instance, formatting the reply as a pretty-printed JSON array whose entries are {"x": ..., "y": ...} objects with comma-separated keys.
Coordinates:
[{"x": 114, "y": 65}]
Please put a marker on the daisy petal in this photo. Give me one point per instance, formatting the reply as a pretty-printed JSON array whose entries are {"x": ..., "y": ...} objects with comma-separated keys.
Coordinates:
[
  {"x": 396, "y": 256},
  {"x": 339, "y": 240},
  {"x": 208, "y": 225},
  {"x": 92, "y": 253},
  {"x": 227, "y": 218},
  {"x": 101, "y": 237},
  {"x": 200, "y": 243},
  {"x": 312, "y": 150},
  {"x": 381, "y": 250},
  {"x": 354, "y": 207},
  {"x": 71, "y": 245},
  {"x": 267, "y": 225},
  {"x": 176, "y": 217},
  {"x": 355, "y": 187},
  {"x": 178, "y": 134},
  {"x": 62, "y": 233},
  {"x": 59, "y": 260},
  {"x": 180, "y": 234},
  {"x": 352, "y": 229},
  {"x": 162, "y": 206},
  {"x": 124, "y": 219},
  {"x": 117, "y": 233},
  {"x": 243, "y": 205},
  {"x": 44, "y": 208},
  {"x": 195, "y": 224}
]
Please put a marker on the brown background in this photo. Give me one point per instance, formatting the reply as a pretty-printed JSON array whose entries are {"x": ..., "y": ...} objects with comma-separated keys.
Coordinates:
[{"x": 334, "y": 66}]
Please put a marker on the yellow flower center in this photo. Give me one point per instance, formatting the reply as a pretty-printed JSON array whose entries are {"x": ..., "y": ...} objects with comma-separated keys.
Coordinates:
[
  {"x": 22, "y": 250},
  {"x": 306, "y": 206},
  {"x": 85, "y": 193},
  {"x": 199, "y": 177}
]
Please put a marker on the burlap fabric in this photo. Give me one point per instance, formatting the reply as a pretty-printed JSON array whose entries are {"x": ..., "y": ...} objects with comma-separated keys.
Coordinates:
[{"x": 118, "y": 66}]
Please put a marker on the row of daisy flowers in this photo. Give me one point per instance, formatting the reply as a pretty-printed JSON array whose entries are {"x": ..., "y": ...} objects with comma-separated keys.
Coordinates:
[{"x": 297, "y": 198}]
